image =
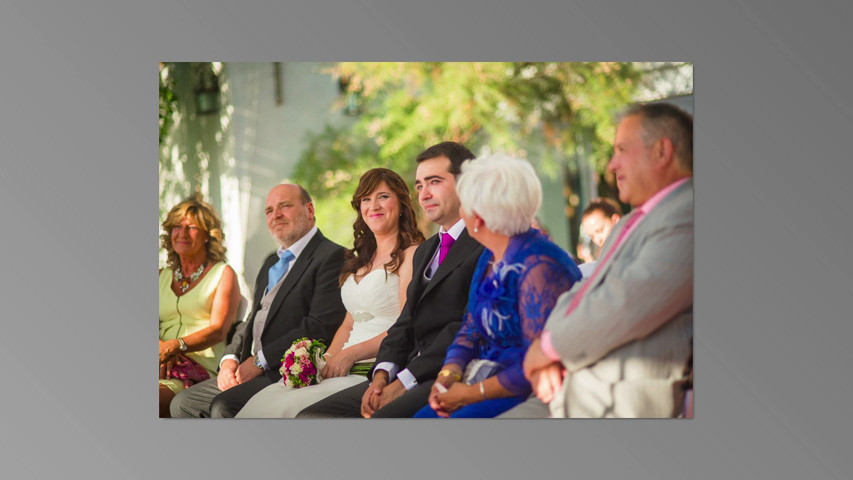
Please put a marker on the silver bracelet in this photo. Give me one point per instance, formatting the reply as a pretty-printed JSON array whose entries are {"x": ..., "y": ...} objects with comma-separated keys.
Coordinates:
[{"x": 482, "y": 390}]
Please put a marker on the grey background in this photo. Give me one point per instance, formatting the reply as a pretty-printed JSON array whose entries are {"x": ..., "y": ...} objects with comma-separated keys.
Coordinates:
[{"x": 774, "y": 118}]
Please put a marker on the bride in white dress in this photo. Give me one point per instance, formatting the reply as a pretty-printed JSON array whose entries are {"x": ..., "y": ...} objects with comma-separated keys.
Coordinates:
[{"x": 375, "y": 276}]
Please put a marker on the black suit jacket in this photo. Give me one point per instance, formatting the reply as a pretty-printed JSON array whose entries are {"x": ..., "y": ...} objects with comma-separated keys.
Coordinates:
[
  {"x": 434, "y": 309},
  {"x": 308, "y": 304}
]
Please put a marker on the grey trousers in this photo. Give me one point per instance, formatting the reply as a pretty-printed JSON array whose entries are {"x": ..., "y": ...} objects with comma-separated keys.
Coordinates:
[
  {"x": 205, "y": 400},
  {"x": 347, "y": 404}
]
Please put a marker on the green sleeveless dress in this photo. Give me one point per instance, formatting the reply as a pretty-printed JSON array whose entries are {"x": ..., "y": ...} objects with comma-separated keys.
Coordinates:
[{"x": 186, "y": 314}]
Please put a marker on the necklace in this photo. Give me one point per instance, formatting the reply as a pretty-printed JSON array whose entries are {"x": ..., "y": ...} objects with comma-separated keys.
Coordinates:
[{"x": 185, "y": 284}]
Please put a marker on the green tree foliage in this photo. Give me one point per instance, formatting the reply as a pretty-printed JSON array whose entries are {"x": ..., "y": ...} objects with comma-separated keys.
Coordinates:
[
  {"x": 541, "y": 111},
  {"x": 168, "y": 102}
]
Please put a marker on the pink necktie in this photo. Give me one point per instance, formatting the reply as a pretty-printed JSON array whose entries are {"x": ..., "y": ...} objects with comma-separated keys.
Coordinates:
[
  {"x": 444, "y": 246},
  {"x": 635, "y": 215}
]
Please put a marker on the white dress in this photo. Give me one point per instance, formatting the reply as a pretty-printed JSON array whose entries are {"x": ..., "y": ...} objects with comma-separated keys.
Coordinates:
[{"x": 374, "y": 304}]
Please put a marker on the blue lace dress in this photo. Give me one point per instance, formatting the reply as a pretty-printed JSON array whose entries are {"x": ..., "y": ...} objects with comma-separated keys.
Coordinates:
[{"x": 507, "y": 308}]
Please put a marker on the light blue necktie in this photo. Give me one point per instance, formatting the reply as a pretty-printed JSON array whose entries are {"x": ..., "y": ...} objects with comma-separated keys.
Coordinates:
[{"x": 279, "y": 269}]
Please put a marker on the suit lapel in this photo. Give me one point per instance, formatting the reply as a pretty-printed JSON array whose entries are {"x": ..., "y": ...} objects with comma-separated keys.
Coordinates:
[
  {"x": 614, "y": 234},
  {"x": 260, "y": 287},
  {"x": 660, "y": 213},
  {"x": 428, "y": 249},
  {"x": 460, "y": 250},
  {"x": 262, "y": 284},
  {"x": 294, "y": 274}
]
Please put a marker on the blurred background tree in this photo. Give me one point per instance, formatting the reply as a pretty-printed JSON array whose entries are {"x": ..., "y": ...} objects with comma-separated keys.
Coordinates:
[
  {"x": 558, "y": 115},
  {"x": 230, "y": 131}
]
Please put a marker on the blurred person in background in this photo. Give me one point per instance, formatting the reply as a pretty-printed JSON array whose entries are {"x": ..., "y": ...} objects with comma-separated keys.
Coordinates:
[{"x": 597, "y": 220}]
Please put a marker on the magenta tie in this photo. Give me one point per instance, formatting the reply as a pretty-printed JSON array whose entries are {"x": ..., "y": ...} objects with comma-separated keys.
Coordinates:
[
  {"x": 444, "y": 246},
  {"x": 635, "y": 215}
]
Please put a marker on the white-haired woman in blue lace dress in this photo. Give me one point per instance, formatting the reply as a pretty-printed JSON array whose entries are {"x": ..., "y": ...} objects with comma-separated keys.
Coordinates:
[{"x": 515, "y": 285}]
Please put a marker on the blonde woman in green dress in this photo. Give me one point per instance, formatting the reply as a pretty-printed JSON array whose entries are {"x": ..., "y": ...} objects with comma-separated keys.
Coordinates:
[{"x": 199, "y": 298}]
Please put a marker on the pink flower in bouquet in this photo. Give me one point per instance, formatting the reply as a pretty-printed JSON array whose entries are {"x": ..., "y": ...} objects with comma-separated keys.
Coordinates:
[{"x": 299, "y": 366}]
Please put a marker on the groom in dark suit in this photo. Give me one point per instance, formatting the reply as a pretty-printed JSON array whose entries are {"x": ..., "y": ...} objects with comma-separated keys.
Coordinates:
[
  {"x": 296, "y": 295},
  {"x": 412, "y": 354}
]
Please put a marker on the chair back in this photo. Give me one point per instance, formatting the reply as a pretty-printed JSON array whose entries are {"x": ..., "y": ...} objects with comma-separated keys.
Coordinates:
[{"x": 242, "y": 315}]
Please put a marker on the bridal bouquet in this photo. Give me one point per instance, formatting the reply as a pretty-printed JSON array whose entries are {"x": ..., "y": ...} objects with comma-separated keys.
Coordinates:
[{"x": 302, "y": 363}]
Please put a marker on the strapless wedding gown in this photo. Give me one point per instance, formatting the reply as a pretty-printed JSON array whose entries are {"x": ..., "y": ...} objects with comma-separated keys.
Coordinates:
[{"x": 374, "y": 304}]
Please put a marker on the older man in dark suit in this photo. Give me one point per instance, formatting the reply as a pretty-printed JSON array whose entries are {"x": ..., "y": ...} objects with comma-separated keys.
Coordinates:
[
  {"x": 412, "y": 354},
  {"x": 296, "y": 295}
]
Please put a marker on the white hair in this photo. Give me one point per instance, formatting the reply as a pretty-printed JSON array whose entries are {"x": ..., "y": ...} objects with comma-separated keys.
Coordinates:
[{"x": 504, "y": 191}]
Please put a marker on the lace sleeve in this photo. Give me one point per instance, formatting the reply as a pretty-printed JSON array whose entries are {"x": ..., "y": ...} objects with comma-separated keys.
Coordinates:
[
  {"x": 462, "y": 350},
  {"x": 544, "y": 280},
  {"x": 465, "y": 344}
]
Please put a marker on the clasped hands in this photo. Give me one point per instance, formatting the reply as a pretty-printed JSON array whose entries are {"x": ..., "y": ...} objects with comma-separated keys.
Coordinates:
[
  {"x": 545, "y": 375},
  {"x": 449, "y": 393},
  {"x": 380, "y": 393},
  {"x": 232, "y": 374}
]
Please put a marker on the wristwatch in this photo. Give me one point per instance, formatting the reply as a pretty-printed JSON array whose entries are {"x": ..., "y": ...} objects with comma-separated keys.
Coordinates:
[
  {"x": 182, "y": 345},
  {"x": 258, "y": 362}
]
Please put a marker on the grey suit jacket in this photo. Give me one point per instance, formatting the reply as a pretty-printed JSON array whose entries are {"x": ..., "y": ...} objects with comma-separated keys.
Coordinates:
[{"x": 626, "y": 343}]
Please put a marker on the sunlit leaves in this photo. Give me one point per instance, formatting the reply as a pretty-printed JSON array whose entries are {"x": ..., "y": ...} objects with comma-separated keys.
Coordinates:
[{"x": 545, "y": 107}]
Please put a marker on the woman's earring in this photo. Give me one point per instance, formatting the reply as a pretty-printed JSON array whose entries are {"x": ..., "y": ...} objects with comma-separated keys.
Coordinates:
[{"x": 476, "y": 229}]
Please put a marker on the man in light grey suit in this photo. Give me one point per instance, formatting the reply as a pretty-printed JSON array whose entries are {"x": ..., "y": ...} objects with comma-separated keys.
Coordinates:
[{"x": 617, "y": 344}]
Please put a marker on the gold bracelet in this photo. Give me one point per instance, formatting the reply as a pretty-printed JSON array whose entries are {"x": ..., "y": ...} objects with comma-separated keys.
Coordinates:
[
  {"x": 450, "y": 372},
  {"x": 482, "y": 390}
]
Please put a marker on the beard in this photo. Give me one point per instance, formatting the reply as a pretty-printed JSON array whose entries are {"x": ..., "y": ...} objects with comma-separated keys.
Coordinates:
[{"x": 297, "y": 228}]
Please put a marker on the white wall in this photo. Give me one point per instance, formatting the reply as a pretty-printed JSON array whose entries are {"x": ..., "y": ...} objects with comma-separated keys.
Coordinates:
[
  {"x": 252, "y": 145},
  {"x": 268, "y": 138}
]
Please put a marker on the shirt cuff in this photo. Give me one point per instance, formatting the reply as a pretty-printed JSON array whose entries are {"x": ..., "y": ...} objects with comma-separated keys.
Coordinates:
[
  {"x": 389, "y": 367},
  {"x": 547, "y": 347},
  {"x": 262, "y": 360},
  {"x": 228, "y": 357},
  {"x": 407, "y": 379}
]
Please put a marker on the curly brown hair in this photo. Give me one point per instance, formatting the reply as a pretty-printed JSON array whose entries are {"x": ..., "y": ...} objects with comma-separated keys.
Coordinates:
[
  {"x": 207, "y": 220},
  {"x": 364, "y": 243}
]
